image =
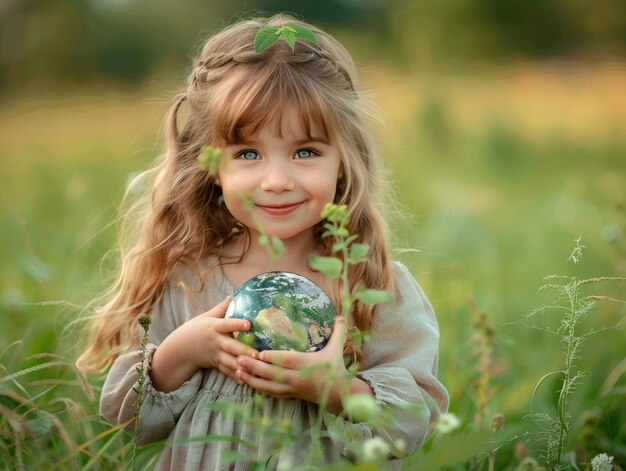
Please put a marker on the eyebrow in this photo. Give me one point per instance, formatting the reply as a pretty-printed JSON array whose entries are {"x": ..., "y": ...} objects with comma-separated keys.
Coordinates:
[{"x": 298, "y": 142}]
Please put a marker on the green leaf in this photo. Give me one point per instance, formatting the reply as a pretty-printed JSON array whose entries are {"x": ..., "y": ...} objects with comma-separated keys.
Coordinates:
[
  {"x": 374, "y": 296},
  {"x": 338, "y": 246},
  {"x": 332, "y": 229},
  {"x": 209, "y": 159},
  {"x": 351, "y": 238},
  {"x": 265, "y": 38},
  {"x": 358, "y": 253},
  {"x": 304, "y": 33},
  {"x": 26, "y": 371},
  {"x": 264, "y": 240},
  {"x": 290, "y": 37},
  {"x": 329, "y": 266}
]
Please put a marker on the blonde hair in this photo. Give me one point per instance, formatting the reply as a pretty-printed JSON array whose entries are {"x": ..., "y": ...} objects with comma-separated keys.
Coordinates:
[{"x": 232, "y": 92}]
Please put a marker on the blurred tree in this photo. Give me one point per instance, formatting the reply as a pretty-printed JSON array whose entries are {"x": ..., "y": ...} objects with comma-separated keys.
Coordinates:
[{"x": 49, "y": 43}]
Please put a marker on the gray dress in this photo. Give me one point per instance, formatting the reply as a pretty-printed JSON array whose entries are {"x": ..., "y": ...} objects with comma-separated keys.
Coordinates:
[{"x": 400, "y": 365}]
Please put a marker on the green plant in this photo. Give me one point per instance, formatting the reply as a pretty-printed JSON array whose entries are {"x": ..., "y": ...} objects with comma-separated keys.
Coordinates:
[
  {"x": 145, "y": 321},
  {"x": 573, "y": 307}
]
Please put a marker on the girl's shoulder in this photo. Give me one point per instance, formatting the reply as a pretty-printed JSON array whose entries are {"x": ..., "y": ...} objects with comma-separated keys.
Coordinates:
[
  {"x": 407, "y": 291},
  {"x": 403, "y": 279}
]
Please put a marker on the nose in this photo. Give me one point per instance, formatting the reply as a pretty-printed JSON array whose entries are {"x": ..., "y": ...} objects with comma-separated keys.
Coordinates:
[{"x": 277, "y": 177}]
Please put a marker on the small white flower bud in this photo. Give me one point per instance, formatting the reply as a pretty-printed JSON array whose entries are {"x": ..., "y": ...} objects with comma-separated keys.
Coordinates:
[
  {"x": 447, "y": 423},
  {"x": 375, "y": 449}
]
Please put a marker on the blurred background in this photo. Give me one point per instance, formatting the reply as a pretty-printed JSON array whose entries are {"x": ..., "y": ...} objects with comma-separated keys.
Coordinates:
[{"x": 505, "y": 144}]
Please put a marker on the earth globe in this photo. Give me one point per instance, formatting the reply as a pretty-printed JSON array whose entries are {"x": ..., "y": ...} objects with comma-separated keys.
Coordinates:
[{"x": 286, "y": 311}]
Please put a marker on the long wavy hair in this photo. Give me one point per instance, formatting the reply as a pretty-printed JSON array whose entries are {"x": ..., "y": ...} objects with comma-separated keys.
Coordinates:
[{"x": 230, "y": 94}]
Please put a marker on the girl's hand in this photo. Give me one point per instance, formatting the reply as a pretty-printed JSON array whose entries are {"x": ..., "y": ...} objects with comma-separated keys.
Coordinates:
[
  {"x": 212, "y": 343},
  {"x": 201, "y": 342},
  {"x": 280, "y": 373}
]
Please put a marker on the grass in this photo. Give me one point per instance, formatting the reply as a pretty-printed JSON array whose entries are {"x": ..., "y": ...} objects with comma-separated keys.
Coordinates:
[{"x": 495, "y": 193}]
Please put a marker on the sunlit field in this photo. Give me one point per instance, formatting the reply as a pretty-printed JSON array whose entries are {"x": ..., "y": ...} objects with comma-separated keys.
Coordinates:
[{"x": 494, "y": 172}]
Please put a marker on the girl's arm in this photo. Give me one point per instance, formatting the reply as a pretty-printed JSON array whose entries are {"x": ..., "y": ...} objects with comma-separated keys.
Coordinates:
[{"x": 164, "y": 399}]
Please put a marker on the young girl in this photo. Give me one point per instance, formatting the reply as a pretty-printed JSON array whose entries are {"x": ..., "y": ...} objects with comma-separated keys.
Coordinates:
[{"x": 292, "y": 126}]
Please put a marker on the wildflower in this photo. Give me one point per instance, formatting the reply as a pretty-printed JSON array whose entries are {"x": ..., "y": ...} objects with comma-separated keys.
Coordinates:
[
  {"x": 521, "y": 451},
  {"x": 400, "y": 448},
  {"x": 375, "y": 449},
  {"x": 336, "y": 213},
  {"x": 361, "y": 407},
  {"x": 577, "y": 253},
  {"x": 144, "y": 321},
  {"x": 447, "y": 423},
  {"x": 602, "y": 462},
  {"x": 497, "y": 421},
  {"x": 284, "y": 463}
]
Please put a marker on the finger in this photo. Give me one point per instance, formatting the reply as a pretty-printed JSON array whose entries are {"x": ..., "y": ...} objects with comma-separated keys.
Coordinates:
[
  {"x": 263, "y": 385},
  {"x": 226, "y": 326},
  {"x": 219, "y": 310},
  {"x": 284, "y": 358},
  {"x": 227, "y": 364},
  {"x": 262, "y": 370},
  {"x": 232, "y": 374},
  {"x": 237, "y": 348},
  {"x": 338, "y": 337}
]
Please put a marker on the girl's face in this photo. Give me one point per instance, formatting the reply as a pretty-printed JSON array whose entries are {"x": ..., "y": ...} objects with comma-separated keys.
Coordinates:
[{"x": 281, "y": 184}]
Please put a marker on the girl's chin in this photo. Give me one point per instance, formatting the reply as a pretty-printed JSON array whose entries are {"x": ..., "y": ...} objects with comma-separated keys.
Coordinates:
[{"x": 285, "y": 235}]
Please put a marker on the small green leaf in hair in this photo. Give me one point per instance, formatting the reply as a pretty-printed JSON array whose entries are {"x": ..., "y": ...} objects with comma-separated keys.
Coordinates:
[
  {"x": 304, "y": 34},
  {"x": 265, "y": 38},
  {"x": 290, "y": 33}
]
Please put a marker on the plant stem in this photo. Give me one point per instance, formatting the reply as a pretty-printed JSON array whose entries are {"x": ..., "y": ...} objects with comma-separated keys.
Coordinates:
[
  {"x": 571, "y": 347},
  {"x": 144, "y": 321},
  {"x": 346, "y": 306}
]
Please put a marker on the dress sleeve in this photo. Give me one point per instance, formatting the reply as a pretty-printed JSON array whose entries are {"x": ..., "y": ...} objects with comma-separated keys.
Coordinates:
[
  {"x": 400, "y": 365},
  {"x": 159, "y": 410}
]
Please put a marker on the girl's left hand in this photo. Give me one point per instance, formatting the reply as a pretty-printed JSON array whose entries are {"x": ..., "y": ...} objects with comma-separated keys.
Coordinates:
[{"x": 279, "y": 373}]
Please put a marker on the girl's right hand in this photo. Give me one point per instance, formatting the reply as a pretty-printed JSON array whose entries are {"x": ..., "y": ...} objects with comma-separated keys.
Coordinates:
[
  {"x": 212, "y": 343},
  {"x": 201, "y": 342}
]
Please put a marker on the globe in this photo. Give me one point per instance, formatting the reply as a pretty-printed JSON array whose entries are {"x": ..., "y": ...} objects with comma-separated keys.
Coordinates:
[{"x": 286, "y": 311}]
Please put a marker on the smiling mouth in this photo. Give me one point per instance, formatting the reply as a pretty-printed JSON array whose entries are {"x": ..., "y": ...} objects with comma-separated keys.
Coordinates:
[{"x": 279, "y": 210}]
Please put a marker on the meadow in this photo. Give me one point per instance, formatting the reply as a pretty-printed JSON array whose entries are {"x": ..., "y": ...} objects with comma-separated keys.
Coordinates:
[{"x": 495, "y": 173}]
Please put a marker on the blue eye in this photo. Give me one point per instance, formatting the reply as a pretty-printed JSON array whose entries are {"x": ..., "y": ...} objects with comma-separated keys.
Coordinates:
[
  {"x": 305, "y": 153},
  {"x": 248, "y": 155}
]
